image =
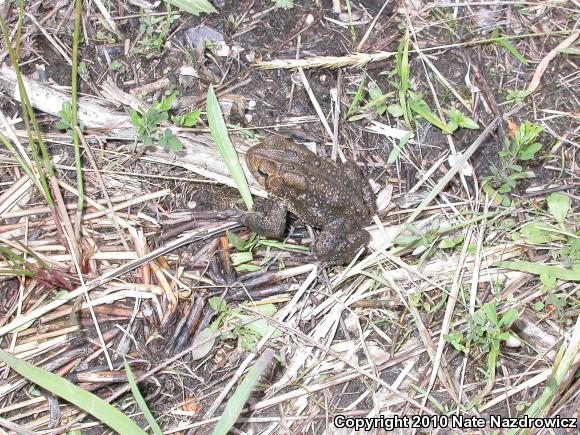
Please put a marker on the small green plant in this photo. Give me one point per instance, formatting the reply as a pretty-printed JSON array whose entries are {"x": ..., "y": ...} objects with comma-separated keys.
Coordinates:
[
  {"x": 148, "y": 124},
  {"x": 116, "y": 65},
  {"x": 485, "y": 332},
  {"x": 242, "y": 258},
  {"x": 154, "y": 30},
  {"x": 411, "y": 105},
  {"x": 65, "y": 123},
  {"x": 84, "y": 71},
  {"x": 505, "y": 43},
  {"x": 188, "y": 119},
  {"x": 248, "y": 327},
  {"x": 419, "y": 241},
  {"x": 458, "y": 120},
  {"x": 524, "y": 147},
  {"x": 517, "y": 96},
  {"x": 105, "y": 36}
]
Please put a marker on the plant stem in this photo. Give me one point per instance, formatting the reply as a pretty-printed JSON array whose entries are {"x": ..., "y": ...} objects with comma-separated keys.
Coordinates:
[{"x": 75, "y": 123}]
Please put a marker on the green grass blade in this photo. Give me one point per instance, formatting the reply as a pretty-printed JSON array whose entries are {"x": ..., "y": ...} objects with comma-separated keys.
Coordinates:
[
  {"x": 75, "y": 121},
  {"x": 541, "y": 269},
  {"x": 60, "y": 387},
  {"x": 394, "y": 154},
  {"x": 140, "y": 401},
  {"x": 357, "y": 96},
  {"x": 219, "y": 133},
  {"x": 237, "y": 401},
  {"x": 193, "y": 7},
  {"x": 505, "y": 43}
]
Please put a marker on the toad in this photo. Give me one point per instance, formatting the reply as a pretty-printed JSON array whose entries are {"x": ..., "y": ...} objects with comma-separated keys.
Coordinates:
[{"x": 335, "y": 198}]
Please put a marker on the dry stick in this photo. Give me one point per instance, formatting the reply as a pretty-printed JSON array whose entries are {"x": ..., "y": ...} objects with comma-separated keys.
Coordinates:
[
  {"x": 336, "y": 355},
  {"x": 453, "y": 170},
  {"x": 283, "y": 314},
  {"x": 125, "y": 204},
  {"x": 474, "y": 285},
  {"x": 335, "y": 97},
  {"x": 371, "y": 27},
  {"x": 434, "y": 94},
  {"x": 50, "y": 38},
  {"x": 445, "y": 327},
  {"x": 14, "y": 193},
  {"x": 83, "y": 287},
  {"x": 318, "y": 109},
  {"x": 15, "y": 427},
  {"x": 148, "y": 374},
  {"x": 423, "y": 331},
  {"x": 108, "y": 276},
  {"x": 113, "y": 215},
  {"x": 361, "y": 59},
  {"x": 96, "y": 204}
]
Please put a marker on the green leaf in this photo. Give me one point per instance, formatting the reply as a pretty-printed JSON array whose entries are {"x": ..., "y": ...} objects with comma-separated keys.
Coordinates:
[
  {"x": 218, "y": 304},
  {"x": 140, "y": 401},
  {"x": 509, "y": 317},
  {"x": 548, "y": 282},
  {"x": 241, "y": 257},
  {"x": 570, "y": 50},
  {"x": 538, "y": 233},
  {"x": 206, "y": 340},
  {"x": 420, "y": 107},
  {"x": 460, "y": 119},
  {"x": 504, "y": 42},
  {"x": 452, "y": 126},
  {"x": 86, "y": 401},
  {"x": 526, "y": 133},
  {"x": 394, "y": 154},
  {"x": 193, "y": 7},
  {"x": 284, "y": 4},
  {"x": 191, "y": 118},
  {"x": 538, "y": 269},
  {"x": 490, "y": 312},
  {"x": 236, "y": 403},
  {"x": 395, "y": 110},
  {"x": 528, "y": 153},
  {"x": 235, "y": 240},
  {"x": 559, "y": 206},
  {"x": 219, "y": 133},
  {"x": 357, "y": 96}
]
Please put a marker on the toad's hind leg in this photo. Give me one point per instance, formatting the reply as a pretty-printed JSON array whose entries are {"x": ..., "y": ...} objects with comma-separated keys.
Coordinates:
[
  {"x": 267, "y": 219},
  {"x": 335, "y": 246}
]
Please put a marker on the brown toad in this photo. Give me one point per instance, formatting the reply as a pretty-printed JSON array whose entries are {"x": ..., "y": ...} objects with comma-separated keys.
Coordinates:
[{"x": 335, "y": 198}]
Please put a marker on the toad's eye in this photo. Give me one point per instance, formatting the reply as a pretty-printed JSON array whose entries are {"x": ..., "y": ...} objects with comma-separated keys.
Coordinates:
[
  {"x": 313, "y": 179},
  {"x": 261, "y": 173}
]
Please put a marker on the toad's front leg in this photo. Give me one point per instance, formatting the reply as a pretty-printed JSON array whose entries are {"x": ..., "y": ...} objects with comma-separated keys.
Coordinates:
[
  {"x": 336, "y": 245},
  {"x": 267, "y": 218}
]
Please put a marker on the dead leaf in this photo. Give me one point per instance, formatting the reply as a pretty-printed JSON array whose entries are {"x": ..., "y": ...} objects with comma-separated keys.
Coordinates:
[
  {"x": 512, "y": 127},
  {"x": 543, "y": 65}
]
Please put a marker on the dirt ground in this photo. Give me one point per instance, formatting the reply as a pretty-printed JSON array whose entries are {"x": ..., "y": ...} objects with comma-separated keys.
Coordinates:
[{"x": 413, "y": 326}]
